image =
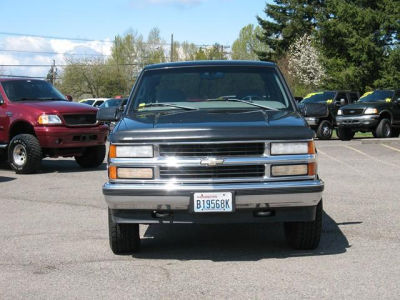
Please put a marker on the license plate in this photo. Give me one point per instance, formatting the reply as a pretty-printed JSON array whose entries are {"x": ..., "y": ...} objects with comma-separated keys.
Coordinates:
[{"x": 213, "y": 202}]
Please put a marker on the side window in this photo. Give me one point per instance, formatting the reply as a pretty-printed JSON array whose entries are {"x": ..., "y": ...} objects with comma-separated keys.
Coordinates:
[
  {"x": 396, "y": 95},
  {"x": 353, "y": 97},
  {"x": 341, "y": 96}
]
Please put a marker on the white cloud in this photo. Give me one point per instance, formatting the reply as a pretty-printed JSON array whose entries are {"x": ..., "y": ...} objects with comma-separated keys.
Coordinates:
[{"x": 56, "y": 49}]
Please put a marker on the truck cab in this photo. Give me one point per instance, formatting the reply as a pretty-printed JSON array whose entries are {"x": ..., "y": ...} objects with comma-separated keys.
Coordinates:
[{"x": 211, "y": 142}]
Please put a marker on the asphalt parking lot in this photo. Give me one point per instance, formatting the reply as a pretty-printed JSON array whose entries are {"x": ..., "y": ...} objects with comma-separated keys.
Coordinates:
[{"x": 54, "y": 239}]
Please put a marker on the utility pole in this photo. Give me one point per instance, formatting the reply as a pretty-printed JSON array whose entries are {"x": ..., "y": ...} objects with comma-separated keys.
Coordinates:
[
  {"x": 172, "y": 48},
  {"x": 53, "y": 72}
]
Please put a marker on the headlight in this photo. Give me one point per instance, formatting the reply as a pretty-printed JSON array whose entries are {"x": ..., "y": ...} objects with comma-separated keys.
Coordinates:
[
  {"x": 339, "y": 112},
  {"x": 131, "y": 151},
  {"x": 371, "y": 111},
  {"x": 292, "y": 148},
  {"x": 49, "y": 119}
]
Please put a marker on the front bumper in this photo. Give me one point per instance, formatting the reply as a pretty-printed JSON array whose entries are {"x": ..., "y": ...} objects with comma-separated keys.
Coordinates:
[
  {"x": 71, "y": 137},
  {"x": 364, "y": 121},
  {"x": 247, "y": 195}
]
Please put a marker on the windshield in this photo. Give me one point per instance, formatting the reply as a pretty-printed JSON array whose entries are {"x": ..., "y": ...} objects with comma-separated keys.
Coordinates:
[
  {"x": 113, "y": 103},
  {"x": 318, "y": 97},
  {"x": 20, "y": 90},
  {"x": 88, "y": 102},
  {"x": 211, "y": 88},
  {"x": 377, "y": 96}
]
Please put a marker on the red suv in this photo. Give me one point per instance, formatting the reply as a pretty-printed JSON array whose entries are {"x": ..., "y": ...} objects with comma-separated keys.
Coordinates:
[{"x": 37, "y": 121}]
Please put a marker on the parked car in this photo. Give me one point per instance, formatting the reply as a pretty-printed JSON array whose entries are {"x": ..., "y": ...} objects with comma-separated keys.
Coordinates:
[
  {"x": 376, "y": 111},
  {"x": 116, "y": 102},
  {"x": 37, "y": 121},
  {"x": 184, "y": 151},
  {"x": 324, "y": 127},
  {"x": 96, "y": 102}
]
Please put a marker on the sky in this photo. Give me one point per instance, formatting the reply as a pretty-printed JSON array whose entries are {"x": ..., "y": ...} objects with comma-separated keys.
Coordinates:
[{"x": 39, "y": 22}]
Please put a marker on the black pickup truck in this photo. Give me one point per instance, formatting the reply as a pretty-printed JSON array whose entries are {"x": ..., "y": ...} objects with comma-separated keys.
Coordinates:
[
  {"x": 376, "y": 111},
  {"x": 324, "y": 126},
  {"x": 212, "y": 142}
]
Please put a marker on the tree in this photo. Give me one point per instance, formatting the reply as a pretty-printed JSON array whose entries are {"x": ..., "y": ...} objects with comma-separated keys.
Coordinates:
[
  {"x": 154, "y": 51},
  {"x": 390, "y": 73},
  {"x": 355, "y": 38},
  {"x": 187, "y": 51},
  {"x": 91, "y": 77},
  {"x": 290, "y": 19},
  {"x": 247, "y": 45},
  {"x": 304, "y": 62}
]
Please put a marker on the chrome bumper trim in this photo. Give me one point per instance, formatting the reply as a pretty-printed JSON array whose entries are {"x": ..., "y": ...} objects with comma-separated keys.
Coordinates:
[{"x": 249, "y": 195}]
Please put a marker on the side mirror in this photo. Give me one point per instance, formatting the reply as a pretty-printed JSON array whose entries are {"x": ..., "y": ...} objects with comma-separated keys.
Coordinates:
[
  {"x": 1, "y": 100},
  {"x": 108, "y": 114},
  {"x": 315, "y": 110},
  {"x": 342, "y": 102},
  {"x": 69, "y": 97}
]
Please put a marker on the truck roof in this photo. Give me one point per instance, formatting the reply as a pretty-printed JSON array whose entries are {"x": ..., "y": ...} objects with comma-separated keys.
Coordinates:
[
  {"x": 18, "y": 78},
  {"x": 203, "y": 63}
]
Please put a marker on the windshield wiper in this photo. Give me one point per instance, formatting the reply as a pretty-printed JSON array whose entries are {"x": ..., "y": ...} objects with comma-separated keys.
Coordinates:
[
  {"x": 242, "y": 101},
  {"x": 166, "y": 105}
]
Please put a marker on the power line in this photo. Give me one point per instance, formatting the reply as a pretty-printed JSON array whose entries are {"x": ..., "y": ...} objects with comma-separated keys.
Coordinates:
[
  {"x": 92, "y": 40},
  {"x": 51, "y": 53},
  {"x": 80, "y": 65},
  {"x": 55, "y": 37}
]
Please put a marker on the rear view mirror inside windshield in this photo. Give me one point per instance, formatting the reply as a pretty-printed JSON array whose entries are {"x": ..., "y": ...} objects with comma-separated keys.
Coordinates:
[{"x": 212, "y": 75}]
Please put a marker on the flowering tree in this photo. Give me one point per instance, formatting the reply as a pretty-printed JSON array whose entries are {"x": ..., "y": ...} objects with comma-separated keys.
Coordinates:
[{"x": 304, "y": 62}]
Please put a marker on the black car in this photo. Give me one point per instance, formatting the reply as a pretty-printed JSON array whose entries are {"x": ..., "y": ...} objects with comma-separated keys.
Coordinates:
[
  {"x": 323, "y": 127},
  {"x": 376, "y": 111},
  {"x": 212, "y": 142}
]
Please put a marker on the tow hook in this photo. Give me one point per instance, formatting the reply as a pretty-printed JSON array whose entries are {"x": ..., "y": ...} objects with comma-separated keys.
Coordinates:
[
  {"x": 161, "y": 214},
  {"x": 264, "y": 213}
]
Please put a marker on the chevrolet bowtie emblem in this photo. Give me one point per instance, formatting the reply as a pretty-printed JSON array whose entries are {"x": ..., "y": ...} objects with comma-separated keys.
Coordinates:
[{"x": 211, "y": 162}]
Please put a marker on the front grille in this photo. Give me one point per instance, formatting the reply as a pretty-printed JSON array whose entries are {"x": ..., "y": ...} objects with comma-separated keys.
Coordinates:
[
  {"x": 229, "y": 149},
  {"x": 349, "y": 112},
  {"x": 80, "y": 119},
  {"x": 253, "y": 171}
]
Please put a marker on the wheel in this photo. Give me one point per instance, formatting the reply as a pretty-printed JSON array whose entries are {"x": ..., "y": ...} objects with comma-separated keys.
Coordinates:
[
  {"x": 24, "y": 154},
  {"x": 383, "y": 130},
  {"x": 124, "y": 238},
  {"x": 324, "y": 131},
  {"x": 345, "y": 134},
  {"x": 92, "y": 157},
  {"x": 395, "y": 132},
  {"x": 305, "y": 235}
]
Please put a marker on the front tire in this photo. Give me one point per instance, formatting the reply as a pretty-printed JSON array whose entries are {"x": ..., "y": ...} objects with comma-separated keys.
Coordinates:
[
  {"x": 324, "y": 131},
  {"x": 92, "y": 157},
  {"x": 124, "y": 238},
  {"x": 383, "y": 130},
  {"x": 24, "y": 154},
  {"x": 305, "y": 235},
  {"x": 345, "y": 134}
]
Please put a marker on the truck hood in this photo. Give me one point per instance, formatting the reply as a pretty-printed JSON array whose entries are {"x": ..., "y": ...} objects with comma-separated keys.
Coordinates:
[
  {"x": 61, "y": 107},
  {"x": 205, "y": 125}
]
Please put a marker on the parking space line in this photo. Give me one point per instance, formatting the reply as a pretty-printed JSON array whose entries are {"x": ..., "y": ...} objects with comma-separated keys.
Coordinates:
[
  {"x": 371, "y": 157},
  {"x": 340, "y": 162},
  {"x": 390, "y": 147}
]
